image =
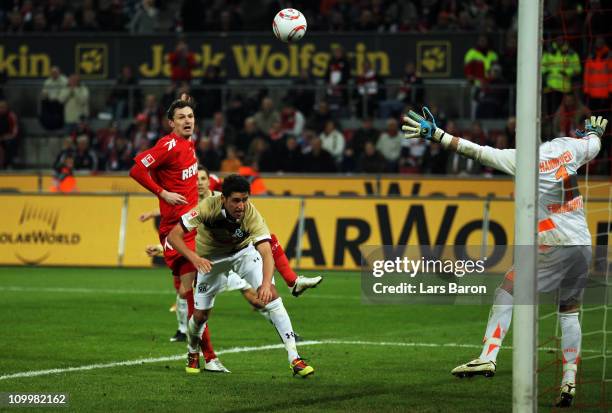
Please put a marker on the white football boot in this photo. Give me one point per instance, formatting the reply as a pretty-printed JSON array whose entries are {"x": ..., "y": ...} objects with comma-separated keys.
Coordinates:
[
  {"x": 303, "y": 283},
  {"x": 475, "y": 367},
  {"x": 215, "y": 366}
]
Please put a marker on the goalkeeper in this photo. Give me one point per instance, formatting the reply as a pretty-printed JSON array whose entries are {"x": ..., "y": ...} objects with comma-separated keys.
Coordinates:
[{"x": 563, "y": 236}]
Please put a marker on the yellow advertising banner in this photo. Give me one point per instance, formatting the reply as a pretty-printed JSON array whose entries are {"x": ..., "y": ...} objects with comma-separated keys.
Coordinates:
[
  {"x": 60, "y": 230},
  {"x": 334, "y": 229},
  {"x": 18, "y": 183},
  {"x": 139, "y": 234},
  {"x": 100, "y": 183}
]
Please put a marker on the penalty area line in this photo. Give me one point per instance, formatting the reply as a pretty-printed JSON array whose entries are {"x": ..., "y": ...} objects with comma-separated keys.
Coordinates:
[{"x": 232, "y": 350}]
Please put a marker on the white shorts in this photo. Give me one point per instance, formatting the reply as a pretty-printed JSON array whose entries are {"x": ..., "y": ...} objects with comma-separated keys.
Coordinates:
[
  {"x": 246, "y": 264},
  {"x": 563, "y": 268},
  {"x": 234, "y": 282}
]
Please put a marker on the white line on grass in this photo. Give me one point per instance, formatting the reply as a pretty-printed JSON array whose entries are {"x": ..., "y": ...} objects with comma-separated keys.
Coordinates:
[
  {"x": 14, "y": 288},
  {"x": 35, "y": 373}
]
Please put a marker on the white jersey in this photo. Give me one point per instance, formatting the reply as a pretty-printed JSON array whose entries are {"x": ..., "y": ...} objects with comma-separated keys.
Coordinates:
[{"x": 561, "y": 207}]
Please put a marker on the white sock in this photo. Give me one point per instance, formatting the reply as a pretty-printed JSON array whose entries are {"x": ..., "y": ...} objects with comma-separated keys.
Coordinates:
[
  {"x": 181, "y": 314},
  {"x": 498, "y": 325},
  {"x": 194, "y": 332},
  {"x": 571, "y": 341},
  {"x": 282, "y": 323}
]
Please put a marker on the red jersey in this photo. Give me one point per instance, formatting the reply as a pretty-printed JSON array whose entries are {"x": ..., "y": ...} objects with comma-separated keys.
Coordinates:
[{"x": 173, "y": 166}]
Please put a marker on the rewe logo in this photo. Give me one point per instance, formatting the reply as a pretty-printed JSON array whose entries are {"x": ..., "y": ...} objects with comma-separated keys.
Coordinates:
[
  {"x": 171, "y": 144},
  {"x": 189, "y": 172}
]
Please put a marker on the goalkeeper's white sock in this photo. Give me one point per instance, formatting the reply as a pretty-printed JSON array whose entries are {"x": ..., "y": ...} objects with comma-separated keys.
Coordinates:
[
  {"x": 194, "y": 332},
  {"x": 498, "y": 325},
  {"x": 181, "y": 314},
  {"x": 571, "y": 341},
  {"x": 282, "y": 323}
]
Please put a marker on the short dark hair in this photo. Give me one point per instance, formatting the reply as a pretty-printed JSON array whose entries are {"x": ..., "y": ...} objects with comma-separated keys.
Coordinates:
[
  {"x": 180, "y": 104},
  {"x": 203, "y": 168},
  {"x": 235, "y": 183}
]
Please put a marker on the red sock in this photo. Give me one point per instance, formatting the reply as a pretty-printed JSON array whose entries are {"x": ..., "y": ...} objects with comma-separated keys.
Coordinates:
[
  {"x": 190, "y": 303},
  {"x": 281, "y": 262},
  {"x": 207, "y": 348}
]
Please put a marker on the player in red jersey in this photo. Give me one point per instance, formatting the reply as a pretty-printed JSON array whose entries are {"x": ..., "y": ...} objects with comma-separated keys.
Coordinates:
[{"x": 170, "y": 171}]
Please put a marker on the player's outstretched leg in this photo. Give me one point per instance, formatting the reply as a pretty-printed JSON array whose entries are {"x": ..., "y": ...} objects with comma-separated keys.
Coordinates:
[
  {"x": 298, "y": 284},
  {"x": 281, "y": 321},
  {"x": 497, "y": 327},
  {"x": 571, "y": 341}
]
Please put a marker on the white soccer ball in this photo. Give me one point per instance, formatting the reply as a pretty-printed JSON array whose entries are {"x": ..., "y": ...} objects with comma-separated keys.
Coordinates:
[{"x": 289, "y": 25}]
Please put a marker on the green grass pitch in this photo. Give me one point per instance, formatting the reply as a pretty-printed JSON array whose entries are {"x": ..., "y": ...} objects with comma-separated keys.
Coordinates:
[{"x": 368, "y": 358}]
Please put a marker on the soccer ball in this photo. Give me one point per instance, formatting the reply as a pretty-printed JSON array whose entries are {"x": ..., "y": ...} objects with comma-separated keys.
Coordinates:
[{"x": 289, "y": 25}]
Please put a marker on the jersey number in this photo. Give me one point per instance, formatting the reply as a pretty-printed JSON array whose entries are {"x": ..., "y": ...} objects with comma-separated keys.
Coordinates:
[{"x": 569, "y": 184}]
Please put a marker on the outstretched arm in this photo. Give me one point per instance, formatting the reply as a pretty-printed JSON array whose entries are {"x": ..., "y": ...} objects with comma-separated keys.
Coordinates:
[{"x": 417, "y": 126}]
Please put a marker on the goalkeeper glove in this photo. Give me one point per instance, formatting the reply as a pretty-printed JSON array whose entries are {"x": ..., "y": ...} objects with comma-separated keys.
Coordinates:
[
  {"x": 596, "y": 125},
  {"x": 416, "y": 126}
]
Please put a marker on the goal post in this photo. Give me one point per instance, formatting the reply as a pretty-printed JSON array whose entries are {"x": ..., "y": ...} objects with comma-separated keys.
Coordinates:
[{"x": 524, "y": 365}]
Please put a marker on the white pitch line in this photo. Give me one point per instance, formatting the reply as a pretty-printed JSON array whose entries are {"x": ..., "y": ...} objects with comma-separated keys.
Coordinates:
[
  {"x": 35, "y": 373},
  {"x": 14, "y": 288}
]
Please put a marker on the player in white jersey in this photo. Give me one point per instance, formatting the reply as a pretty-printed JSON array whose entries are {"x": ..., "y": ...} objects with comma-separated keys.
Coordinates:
[{"x": 563, "y": 237}]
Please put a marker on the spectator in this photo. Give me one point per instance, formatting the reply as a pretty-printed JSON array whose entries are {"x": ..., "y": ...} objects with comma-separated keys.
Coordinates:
[
  {"x": 182, "y": 61},
  {"x": 104, "y": 142},
  {"x": 412, "y": 156},
  {"x": 39, "y": 22},
  {"x": 368, "y": 90},
  {"x": 69, "y": 23},
  {"x": 509, "y": 57},
  {"x": 247, "y": 135},
  {"x": 477, "y": 63},
  {"x": 63, "y": 178},
  {"x": 153, "y": 114},
  {"x": 266, "y": 116},
  {"x": 9, "y": 134},
  {"x": 598, "y": 78},
  {"x": 231, "y": 163},
  {"x": 146, "y": 18},
  {"x": 411, "y": 92},
  {"x": 90, "y": 21},
  {"x": 320, "y": 117},
  {"x": 15, "y": 22},
  {"x": 493, "y": 98},
  {"x": 261, "y": 155},
  {"x": 75, "y": 98},
  {"x": 560, "y": 64},
  {"x": 332, "y": 141},
  {"x": 126, "y": 90},
  {"x": 435, "y": 159},
  {"x": 302, "y": 93},
  {"x": 337, "y": 77},
  {"x": 236, "y": 112},
  {"x": 51, "y": 108},
  {"x": 371, "y": 161},
  {"x": 366, "y": 22},
  {"x": 291, "y": 120},
  {"x": 569, "y": 116},
  {"x": 211, "y": 96},
  {"x": 390, "y": 145},
  {"x": 220, "y": 134},
  {"x": 458, "y": 165},
  {"x": 207, "y": 155},
  {"x": 120, "y": 155},
  {"x": 68, "y": 150},
  {"x": 85, "y": 159},
  {"x": 291, "y": 158},
  {"x": 366, "y": 133},
  {"x": 318, "y": 160}
]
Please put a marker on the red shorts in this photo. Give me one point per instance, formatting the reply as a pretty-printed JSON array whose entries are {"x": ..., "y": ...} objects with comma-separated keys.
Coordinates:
[{"x": 178, "y": 264}]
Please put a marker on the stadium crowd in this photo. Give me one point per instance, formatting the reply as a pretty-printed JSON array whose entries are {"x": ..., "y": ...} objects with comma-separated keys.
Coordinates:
[{"x": 304, "y": 131}]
